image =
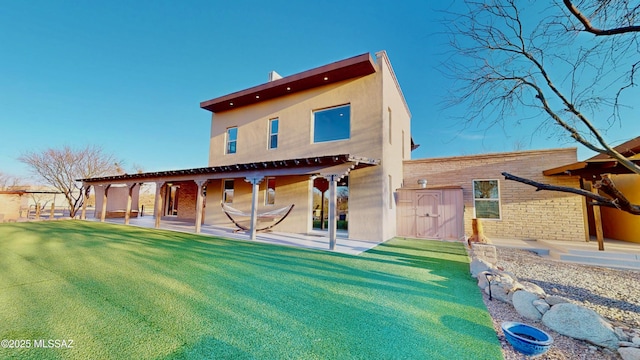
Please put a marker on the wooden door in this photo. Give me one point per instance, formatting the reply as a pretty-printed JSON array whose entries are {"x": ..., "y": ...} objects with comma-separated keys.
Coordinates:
[{"x": 427, "y": 215}]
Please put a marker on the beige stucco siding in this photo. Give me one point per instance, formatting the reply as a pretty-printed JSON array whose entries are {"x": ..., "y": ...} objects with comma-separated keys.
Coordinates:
[
  {"x": 289, "y": 190},
  {"x": 10, "y": 205},
  {"x": 295, "y": 114},
  {"x": 525, "y": 212}
]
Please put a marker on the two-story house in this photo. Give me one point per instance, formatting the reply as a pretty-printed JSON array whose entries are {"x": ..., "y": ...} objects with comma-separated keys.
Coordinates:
[{"x": 346, "y": 123}]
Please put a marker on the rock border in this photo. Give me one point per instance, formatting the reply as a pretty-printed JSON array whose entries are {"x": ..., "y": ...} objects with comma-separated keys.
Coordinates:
[{"x": 557, "y": 313}]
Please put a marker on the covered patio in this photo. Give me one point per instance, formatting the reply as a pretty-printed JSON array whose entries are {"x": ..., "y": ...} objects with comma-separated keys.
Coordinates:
[{"x": 332, "y": 168}]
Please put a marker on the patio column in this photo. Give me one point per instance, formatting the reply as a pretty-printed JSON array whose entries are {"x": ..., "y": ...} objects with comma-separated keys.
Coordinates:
[
  {"x": 333, "y": 213},
  {"x": 127, "y": 213},
  {"x": 157, "y": 208},
  {"x": 103, "y": 214},
  {"x": 597, "y": 219},
  {"x": 255, "y": 182},
  {"x": 199, "y": 203},
  {"x": 87, "y": 191}
]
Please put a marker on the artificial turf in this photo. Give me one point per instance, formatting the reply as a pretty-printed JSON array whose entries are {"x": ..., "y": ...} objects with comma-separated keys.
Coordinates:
[{"x": 126, "y": 292}]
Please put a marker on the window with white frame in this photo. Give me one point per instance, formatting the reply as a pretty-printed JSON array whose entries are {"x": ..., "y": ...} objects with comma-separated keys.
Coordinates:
[
  {"x": 270, "y": 194},
  {"x": 486, "y": 199},
  {"x": 273, "y": 133},
  {"x": 227, "y": 191},
  {"x": 332, "y": 124},
  {"x": 232, "y": 140}
]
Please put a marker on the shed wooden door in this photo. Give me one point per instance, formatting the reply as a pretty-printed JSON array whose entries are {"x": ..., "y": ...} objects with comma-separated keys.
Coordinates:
[{"x": 427, "y": 215}]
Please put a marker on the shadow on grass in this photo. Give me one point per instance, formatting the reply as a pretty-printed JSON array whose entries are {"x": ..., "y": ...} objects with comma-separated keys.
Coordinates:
[{"x": 197, "y": 296}]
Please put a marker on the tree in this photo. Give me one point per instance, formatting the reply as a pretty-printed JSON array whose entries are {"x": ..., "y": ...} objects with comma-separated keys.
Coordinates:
[
  {"x": 61, "y": 167},
  {"x": 7, "y": 181},
  {"x": 569, "y": 64}
]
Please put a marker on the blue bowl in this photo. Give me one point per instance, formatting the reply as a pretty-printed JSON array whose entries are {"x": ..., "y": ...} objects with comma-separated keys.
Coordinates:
[{"x": 526, "y": 339}]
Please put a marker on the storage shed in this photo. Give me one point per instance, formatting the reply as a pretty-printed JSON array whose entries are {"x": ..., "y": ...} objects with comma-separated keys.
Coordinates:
[{"x": 431, "y": 213}]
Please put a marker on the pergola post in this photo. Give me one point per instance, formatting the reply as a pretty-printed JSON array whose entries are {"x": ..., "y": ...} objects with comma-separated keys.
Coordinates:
[
  {"x": 255, "y": 188},
  {"x": 597, "y": 220},
  {"x": 199, "y": 203},
  {"x": 87, "y": 190},
  {"x": 127, "y": 213},
  {"x": 157, "y": 208},
  {"x": 103, "y": 214},
  {"x": 333, "y": 213}
]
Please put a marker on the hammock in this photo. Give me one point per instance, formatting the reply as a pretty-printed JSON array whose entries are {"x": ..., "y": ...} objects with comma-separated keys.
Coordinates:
[{"x": 264, "y": 217}]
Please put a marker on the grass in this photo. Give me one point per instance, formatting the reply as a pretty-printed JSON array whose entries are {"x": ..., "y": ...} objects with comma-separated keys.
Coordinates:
[{"x": 126, "y": 292}]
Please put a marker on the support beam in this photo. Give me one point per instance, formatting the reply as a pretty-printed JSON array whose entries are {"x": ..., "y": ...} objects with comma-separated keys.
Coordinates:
[
  {"x": 86, "y": 191},
  {"x": 333, "y": 207},
  {"x": 103, "y": 214},
  {"x": 597, "y": 220},
  {"x": 157, "y": 208},
  {"x": 255, "y": 183},
  {"x": 199, "y": 203},
  {"x": 127, "y": 213}
]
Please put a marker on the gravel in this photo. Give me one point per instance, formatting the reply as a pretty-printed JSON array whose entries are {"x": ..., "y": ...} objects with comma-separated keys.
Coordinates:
[{"x": 614, "y": 294}]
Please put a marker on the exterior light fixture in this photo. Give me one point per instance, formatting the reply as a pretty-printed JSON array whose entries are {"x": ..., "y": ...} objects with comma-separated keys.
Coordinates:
[
  {"x": 422, "y": 183},
  {"x": 230, "y": 104},
  {"x": 257, "y": 96},
  {"x": 326, "y": 78}
]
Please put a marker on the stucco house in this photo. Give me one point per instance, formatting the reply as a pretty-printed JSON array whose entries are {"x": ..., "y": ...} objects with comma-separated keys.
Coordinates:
[
  {"x": 345, "y": 122},
  {"x": 345, "y": 127}
]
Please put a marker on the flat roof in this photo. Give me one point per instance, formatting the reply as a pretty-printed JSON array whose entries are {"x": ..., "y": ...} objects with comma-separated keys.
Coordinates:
[{"x": 354, "y": 67}]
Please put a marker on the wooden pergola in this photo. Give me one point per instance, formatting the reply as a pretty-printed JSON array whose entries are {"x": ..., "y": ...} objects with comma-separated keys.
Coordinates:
[{"x": 332, "y": 167}]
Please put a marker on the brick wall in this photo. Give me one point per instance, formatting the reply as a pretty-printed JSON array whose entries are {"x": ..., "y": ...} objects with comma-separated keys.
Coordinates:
[{"x": 525, "y": 212}]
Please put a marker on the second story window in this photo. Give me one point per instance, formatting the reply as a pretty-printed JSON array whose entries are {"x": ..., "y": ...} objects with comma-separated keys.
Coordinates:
[
  {"x": 332, "y": 124},
  {"x": 232, "y": 140},
  {"x": 273, "y": 133}
]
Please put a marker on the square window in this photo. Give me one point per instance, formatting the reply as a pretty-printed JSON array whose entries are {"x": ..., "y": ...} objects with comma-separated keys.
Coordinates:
[
  {"x": 332, "y": 124},
  {"x": 486, "y": 199}
]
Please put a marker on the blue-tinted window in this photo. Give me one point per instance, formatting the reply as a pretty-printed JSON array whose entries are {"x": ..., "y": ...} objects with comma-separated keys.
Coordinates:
[
  {"x": 273, "y": 133},
  {"x": 232, "y": 139},
  {"x": 332, "y": 124}
]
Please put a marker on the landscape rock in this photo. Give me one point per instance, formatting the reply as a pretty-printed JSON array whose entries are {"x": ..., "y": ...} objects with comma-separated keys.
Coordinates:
[
  {"x": 497, "y": 292},
  {"x": 479, "y": 265},
  {"x": 628, "y": 344},
  {"x": 581, "y": 323},
  {"x": 555, "y": 300},
  {"x": 523, "y": 303},
  {"x": 636, "y": 340},
  {"x": 629, "y": 353},
  {"x": 621, "y": 334},
  {"x": 541, "y": 305},
  {"x": 533, "y": 288}
]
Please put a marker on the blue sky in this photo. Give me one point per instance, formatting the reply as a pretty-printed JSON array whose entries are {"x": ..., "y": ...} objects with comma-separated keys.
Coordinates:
[{"x": 129, "y": 75}]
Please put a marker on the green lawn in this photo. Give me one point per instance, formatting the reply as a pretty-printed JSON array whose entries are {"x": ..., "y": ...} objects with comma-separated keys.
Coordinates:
[{"x": 125, "y": 292}]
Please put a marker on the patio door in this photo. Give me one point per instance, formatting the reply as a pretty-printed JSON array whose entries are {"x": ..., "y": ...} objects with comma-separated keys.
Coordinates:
[{"x": 427, "y": 215}]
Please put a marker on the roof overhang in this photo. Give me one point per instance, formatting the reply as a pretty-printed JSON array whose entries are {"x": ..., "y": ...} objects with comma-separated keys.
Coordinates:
[
  {"x": 318, "y": 165},
  {"x": 357, "y": 66},
  {"x": 592, "y": 168}
]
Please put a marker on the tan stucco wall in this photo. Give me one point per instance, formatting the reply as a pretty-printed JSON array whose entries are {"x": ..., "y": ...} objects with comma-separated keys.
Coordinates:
[
  {"x": 10, "y": 207},
  {"x": 289, "y": 190},
  {"x": 620, "y": 225},
  {"x": 526, "y": 213},
  {"x": 371, "y": 199},
  {"x": 117, "y": 198}
]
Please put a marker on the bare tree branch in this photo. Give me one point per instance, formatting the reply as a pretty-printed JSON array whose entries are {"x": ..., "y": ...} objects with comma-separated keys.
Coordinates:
[
  {"x": 588, "y": 27},
  {"x": 61, "y": 167},
  {"x": 618, "y": 200}
]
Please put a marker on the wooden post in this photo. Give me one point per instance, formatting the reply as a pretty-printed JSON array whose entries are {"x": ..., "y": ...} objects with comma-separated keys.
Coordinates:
[
  {"x": 157, "y": 209},
  {"x": 255, "y": 183},
  {"x": 333, "y": 217},
  {"x": 53, "y": 211},
  {"x": 597, "y": 220},
  {"x": 199, "y": 204},
  {"x": 478, "y": 233},
  {"x": 103, "y": 215},
  {"x": 37, "y": 211},
  {"x": 127, "y": 213}
]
